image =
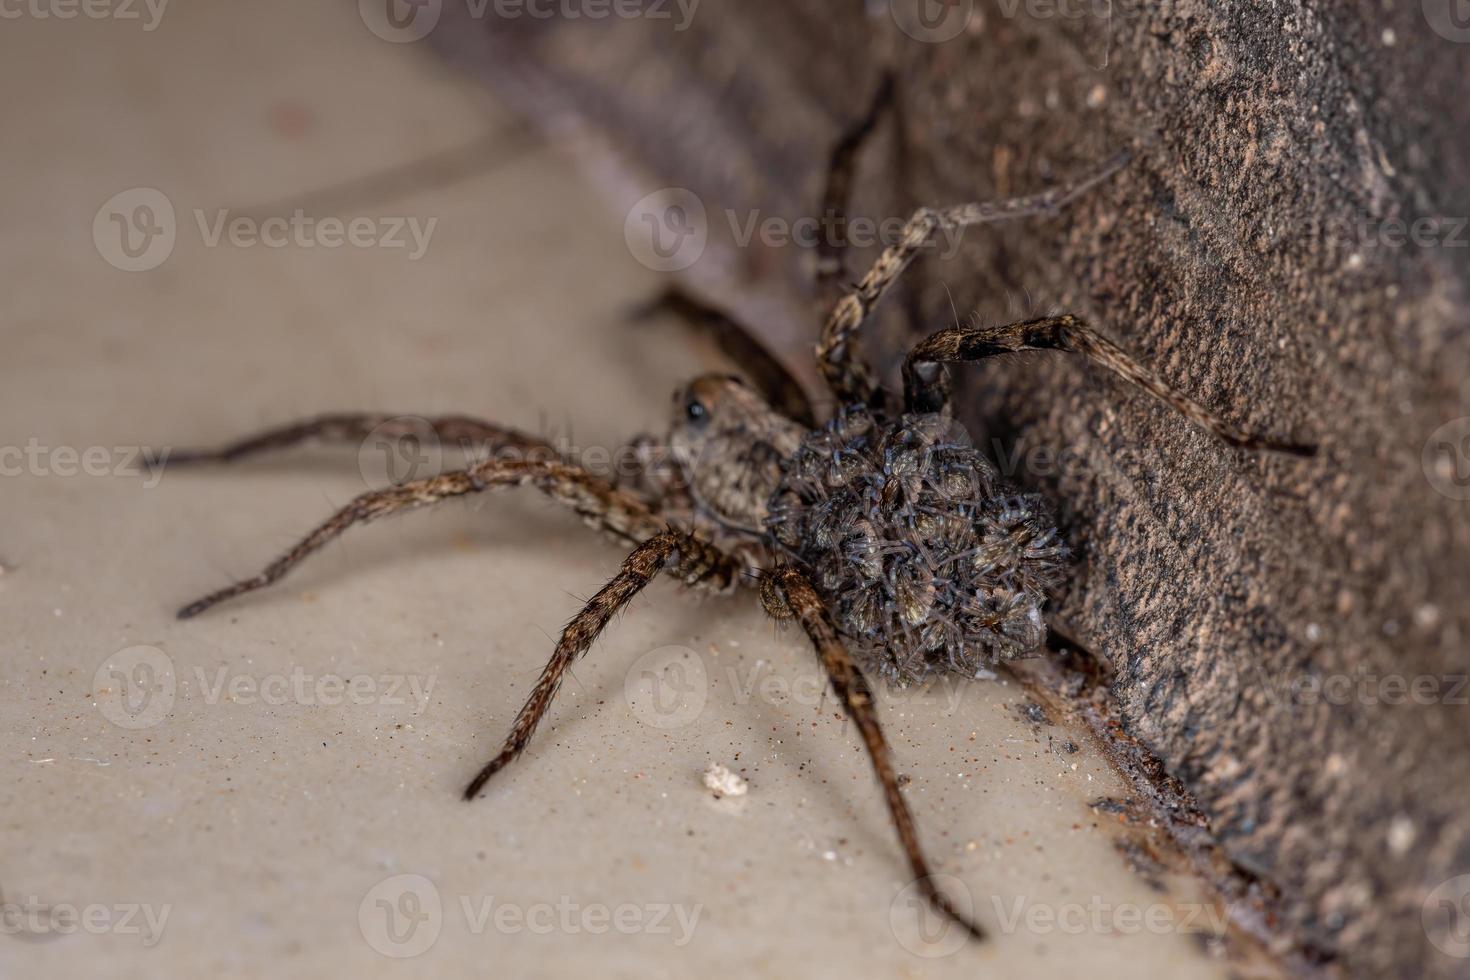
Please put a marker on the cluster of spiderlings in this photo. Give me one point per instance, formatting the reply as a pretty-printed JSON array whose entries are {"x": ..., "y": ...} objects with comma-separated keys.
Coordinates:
[{"x": 928, "y": 559}]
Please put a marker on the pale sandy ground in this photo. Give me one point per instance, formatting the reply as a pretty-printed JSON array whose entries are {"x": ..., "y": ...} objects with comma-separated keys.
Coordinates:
[{"x": 268, "y": 831}]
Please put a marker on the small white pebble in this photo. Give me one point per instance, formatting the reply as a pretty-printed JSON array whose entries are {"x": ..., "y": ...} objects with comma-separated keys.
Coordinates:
[
  {"x": 829, "y": 855},
  {"x": 723, "y": 782},
  {"x": 1389, "y": 37},
  {"x": 1401, "y": 834},
  {"x": 1314, "y": 632}
]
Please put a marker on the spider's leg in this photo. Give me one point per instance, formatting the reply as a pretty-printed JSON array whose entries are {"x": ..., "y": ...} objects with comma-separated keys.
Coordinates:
[
  {"x": 837, "y": 195},
  {"x": 737, "y": 342},
  {"x": 598, "y": 502},
  {"x": 787, "y": 592},
  {"x": 846, "y": 373},
  {"x": 692, "y": 561},
  {"x": 926, "y": 380},
  {"x": 349, "y": 427}
]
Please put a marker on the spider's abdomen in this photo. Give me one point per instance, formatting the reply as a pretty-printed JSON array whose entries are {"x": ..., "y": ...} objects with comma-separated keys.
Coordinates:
[{"x": 926, "y": 557}]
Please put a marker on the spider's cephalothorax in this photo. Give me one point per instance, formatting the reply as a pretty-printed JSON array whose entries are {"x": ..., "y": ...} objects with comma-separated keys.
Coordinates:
[
  {"x": 882, "y": 531},
  {"x": 929, "y": 560}
]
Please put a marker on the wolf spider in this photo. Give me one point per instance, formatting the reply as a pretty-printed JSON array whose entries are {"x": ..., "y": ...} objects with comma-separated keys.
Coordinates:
[{"x": 895, "y": 545}]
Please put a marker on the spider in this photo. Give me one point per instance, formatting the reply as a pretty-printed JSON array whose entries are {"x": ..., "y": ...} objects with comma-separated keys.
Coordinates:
[{"x": 897, "y": 547}]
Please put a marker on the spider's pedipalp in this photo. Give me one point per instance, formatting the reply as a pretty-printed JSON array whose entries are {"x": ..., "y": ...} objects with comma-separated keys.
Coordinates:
[
  {"x": 851, "y": 687},
  {"x": 598, "y": 502},
  {"x": 926, "y": 380},
  {"x": 846, "y": 373},
  {"x": 694, "y": 562}
]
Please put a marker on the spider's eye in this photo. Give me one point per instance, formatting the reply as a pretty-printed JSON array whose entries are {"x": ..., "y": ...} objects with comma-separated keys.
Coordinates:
[{"x": 695, "y": 410}]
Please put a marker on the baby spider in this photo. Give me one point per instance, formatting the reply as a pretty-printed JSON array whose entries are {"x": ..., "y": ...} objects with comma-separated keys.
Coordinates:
[{"x": 895, "y": 545}]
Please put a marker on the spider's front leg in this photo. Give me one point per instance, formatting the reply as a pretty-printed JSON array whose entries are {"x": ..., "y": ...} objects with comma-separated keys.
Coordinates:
[
  {"x": 926, "y": 380},
  {"x": 349, "y": 427},
  {"x": 837, "y": 193},
  {"x": 845, "y": 371},
  {"x": 694, "y": 562},
  {"x": 598, "y": 502},
  {"x": 787, "y": 593}
]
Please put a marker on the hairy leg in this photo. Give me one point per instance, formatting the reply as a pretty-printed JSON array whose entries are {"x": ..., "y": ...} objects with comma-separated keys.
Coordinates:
[
  {"x": 846, "y": 373},
  {"x": 787, "y": 593},
  {"x": 736, "y": 341},
  {"x": 349, "y": 427},
  {"x": 837, "y": 196},
  {"x": 598, "y": 502},
  {"x": 688, "y": 559},
  {"x": 926, "y": 381}
]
